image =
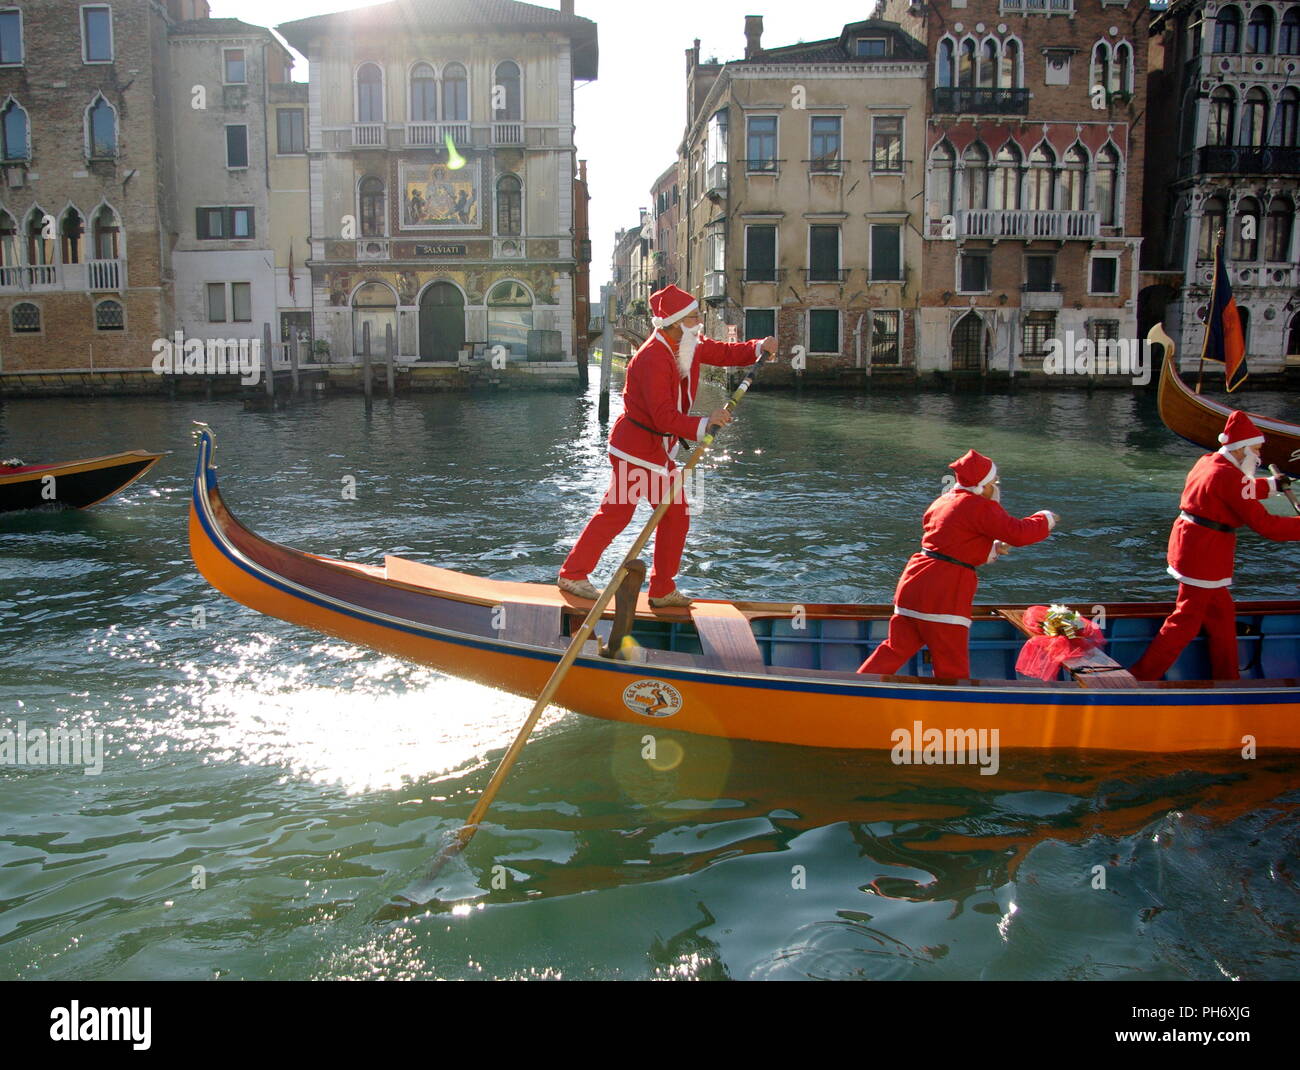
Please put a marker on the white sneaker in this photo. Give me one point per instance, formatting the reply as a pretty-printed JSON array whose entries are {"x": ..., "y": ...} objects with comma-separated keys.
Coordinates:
[
  {"x": 578, "y": 588},
  {"x": 674, "y": 599}
]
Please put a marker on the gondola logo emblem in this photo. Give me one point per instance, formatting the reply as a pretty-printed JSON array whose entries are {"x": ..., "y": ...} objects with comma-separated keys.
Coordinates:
[{"x": 652, "y": 698}]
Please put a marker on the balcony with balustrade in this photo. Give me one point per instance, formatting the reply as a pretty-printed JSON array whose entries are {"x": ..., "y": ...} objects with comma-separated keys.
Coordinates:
[
  {"x": 1026, "y": 225},
  {"x": 368, "y": 136},
  {"x": 1036, "y": 7},
  {"x": 972, "y": 100},
  {"x": 92, "y": 275},
  {"x": 1247, "y": 160}
]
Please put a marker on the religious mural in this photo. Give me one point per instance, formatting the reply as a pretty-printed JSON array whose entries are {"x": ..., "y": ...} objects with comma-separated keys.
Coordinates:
[{"x": 436, "y": 196}]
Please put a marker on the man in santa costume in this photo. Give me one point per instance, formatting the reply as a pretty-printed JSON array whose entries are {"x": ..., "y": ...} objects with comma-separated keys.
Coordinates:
[
  {"x": 662, "y": 379},
  {"x": 963, "y": 529},
  {"x": 1221, "y": 494}
]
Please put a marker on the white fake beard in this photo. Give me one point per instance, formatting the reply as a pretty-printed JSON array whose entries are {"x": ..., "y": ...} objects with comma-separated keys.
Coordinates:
[
  {"x": 686, "y": 349},
  {"x": 997, "y": 493},
  {"x": 1250, "y": 464}
]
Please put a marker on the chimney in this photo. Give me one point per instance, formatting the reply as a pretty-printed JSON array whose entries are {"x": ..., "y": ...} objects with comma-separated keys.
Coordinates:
[
  {"x": 753, "y": 35},
  {"x": 566, "y": 7}
]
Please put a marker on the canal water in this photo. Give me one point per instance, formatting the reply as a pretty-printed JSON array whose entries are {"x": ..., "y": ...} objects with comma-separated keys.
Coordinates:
[{"x": 266, "y": 792}]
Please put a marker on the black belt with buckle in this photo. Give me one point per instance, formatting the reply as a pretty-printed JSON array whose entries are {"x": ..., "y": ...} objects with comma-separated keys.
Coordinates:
[
  {"x": 944, "y": 557},
  {"x": 661, "y": 434},
  {"x": 1213, "y": 525}
]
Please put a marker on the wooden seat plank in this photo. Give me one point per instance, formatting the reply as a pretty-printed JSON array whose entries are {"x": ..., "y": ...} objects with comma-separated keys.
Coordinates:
[
  {"x": 1095, "y": 669},
  {"x": 727, "y": 638},
  {"x": 532, "y": 625}
]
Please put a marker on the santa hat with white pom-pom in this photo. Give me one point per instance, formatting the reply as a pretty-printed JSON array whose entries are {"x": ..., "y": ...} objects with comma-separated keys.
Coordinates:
[{"x": 1239, "y": 432}]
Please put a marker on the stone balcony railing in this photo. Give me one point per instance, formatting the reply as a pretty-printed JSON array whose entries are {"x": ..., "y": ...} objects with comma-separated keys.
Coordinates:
[
  {"x": 1247, "y": 160},
  {"x": 1028, "y": 225},
  {"x": 93, "y": 275}
]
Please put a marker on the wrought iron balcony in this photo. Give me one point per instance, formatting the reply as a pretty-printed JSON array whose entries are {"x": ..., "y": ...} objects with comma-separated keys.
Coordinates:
[
  {"x": 761, "y": 275},
  {"x": 968, "y": 100},
  {"x": 1248, "y": 160},
  {"x": 833, "y": 275}
]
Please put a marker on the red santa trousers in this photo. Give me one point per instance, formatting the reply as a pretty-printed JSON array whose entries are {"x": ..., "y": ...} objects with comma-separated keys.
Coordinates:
[
  {"x": 949, "y": 647},
  {"x": 1197, "y": 607},
  {"x": 628, "y": 484}
]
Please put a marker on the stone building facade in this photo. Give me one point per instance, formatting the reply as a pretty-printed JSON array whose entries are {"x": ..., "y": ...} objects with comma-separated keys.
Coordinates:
[
  {"x": 666, "y": 194},
  {"x": 442, "y": 177},
  {"x": 1226, "y": 92},
  {"x": 802, "y": 215},
  {"x": 1033, "y": 156},
  {"x": 84, "y": 258}
]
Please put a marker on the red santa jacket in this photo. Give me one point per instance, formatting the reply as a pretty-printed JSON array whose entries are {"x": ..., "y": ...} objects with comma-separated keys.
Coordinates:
[
  {"x": 658, "y": 397},
  {"x": 1217, "y": 491},
  {"x": 963, "y": 526}
]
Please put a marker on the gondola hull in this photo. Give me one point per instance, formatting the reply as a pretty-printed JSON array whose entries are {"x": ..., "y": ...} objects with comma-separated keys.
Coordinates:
[
  {"x": 1199, "y": 420},
  {"x": 511, "y": 635},
  {"x": 72, "y": 484}
]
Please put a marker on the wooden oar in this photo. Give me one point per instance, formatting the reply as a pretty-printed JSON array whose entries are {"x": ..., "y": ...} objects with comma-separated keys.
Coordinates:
[
  {"x": 466, "y": 832},
  {"x": 1290, "y": 494}
]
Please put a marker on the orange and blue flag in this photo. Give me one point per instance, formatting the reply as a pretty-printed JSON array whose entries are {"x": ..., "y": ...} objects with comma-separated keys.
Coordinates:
[{"x": 1224, "y": 340}]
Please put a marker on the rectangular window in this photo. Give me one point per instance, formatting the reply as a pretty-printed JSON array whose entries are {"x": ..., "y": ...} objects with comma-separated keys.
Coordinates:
[
  {"x": 974, "y": 273},
  {"x": 1040, "y": 273},
  {"x": 290, "y": 131},
  {"x": 241, "y": 222},
  {"x": 1103, "y": 275},
  {"x": 824, "y": 330},
  {"x": 236, "y": 67},
  {"x": 825, "y": 155},
  {"x": 884, "y": 337},
  {"x": 216, "y": 302},
  {"x": 760, "y": 255},
  {"x": 236, "y": 147},
  {"x": 210, "y": 223},
  {"x": 887, "y": 143},
  {"x": 1103, "y": 331},
  {"x": 759, "y": 322},
  {"x": 760, "y": 143},
  {"x": 886, "y": 253},
  {"x": 823, "y": 254},
  {"x": 1037, "y": 329},
  {"x": 97, "y": 34},
  {"x": 11, "y": 37},
  {"x": 872, "y": 47},
  {"x": 241, "y": 302}
]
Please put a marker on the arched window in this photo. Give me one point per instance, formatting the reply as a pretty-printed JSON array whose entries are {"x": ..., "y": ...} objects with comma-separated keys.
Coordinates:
[
  {"x": 376, "y": 305},
  {"x": 40, "y": 238},
  {"x": 1074, "y": 179},
  {"x": 1293, "y": 338},
  {"x": 25, "y": 318},
  {"x": 1254, "y": 119},
  {"x": 942, "y": 163},
  {"x": 1227, "y": 30},
  {"x": 510, "y": 205},
  {"x": 72, "y": 229},
  {"x": 424, "y": 94},
  {"x": 510, "y": 315},
  {"x": 1107, "y": 185},
  {"x": 966, "y": 65},
  {"x": 1213, "y": 219},
  {"x": 8, "y": 242},
  {"x": 370, "y": 93},
  {"x": 1195, "y": 33},
  {"x": 507, "y": 77},
  {"x": 1281, "y": 214},
  {"x": 945, "y": 73},
  {"x": 455, "y": 93},
  {"x": 101, "y": 130},
  {"x": 1122, "y": 72},
  {"x": 1009, "y": 76},
  {"x": 14, "y": 131},
  {"x": 975, "y": 186},
  {"x": 373, "y": 220},
  {"x": 988, "y": 72},
  {"x": 1006, "y": 178},
  {"x": 1243, "y": 247},
  {"x": 105, "y": 234},
  {"x": 109, "y": 316},
  {"x": 1223, "y": 117},
  {"x": 1099, "y": 70},
  {"x": 1288, "y": 40},
  {"x": 1259, "y": 31},
  {"x": 1039, "y": 182},
  {"x": 1288, "y": 118}
]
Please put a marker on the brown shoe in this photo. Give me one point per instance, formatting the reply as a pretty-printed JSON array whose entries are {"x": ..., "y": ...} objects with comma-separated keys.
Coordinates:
[
  {"x": 578, "y": 588},
  {"x": 674, "y": 599}
]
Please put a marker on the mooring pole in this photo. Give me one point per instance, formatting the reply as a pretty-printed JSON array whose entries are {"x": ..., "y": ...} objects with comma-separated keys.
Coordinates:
[
  {"x": 268, "y": 365},
  {"x": 606, "y": 351},
  {"x": 388, "y": 359}
]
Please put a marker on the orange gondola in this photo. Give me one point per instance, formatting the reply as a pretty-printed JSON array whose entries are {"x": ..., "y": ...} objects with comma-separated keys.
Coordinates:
[{"x": 769, "y": 671}]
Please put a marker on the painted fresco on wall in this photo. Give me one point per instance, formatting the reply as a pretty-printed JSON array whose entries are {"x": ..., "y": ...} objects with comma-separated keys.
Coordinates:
[{"x": 435, "y": 197}]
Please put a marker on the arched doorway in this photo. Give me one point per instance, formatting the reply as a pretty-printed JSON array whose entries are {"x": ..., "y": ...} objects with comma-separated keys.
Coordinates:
[
  {"x": 968, "y": 344},
  {"x": 442, "y": 322}
]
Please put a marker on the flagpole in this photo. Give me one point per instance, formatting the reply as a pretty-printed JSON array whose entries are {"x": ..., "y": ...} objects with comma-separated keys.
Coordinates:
[{"x": 1209, "y": 317}]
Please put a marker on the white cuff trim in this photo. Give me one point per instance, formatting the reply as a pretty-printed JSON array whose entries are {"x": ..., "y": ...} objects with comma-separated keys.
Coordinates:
[{"x": 1051, "y": 518}]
